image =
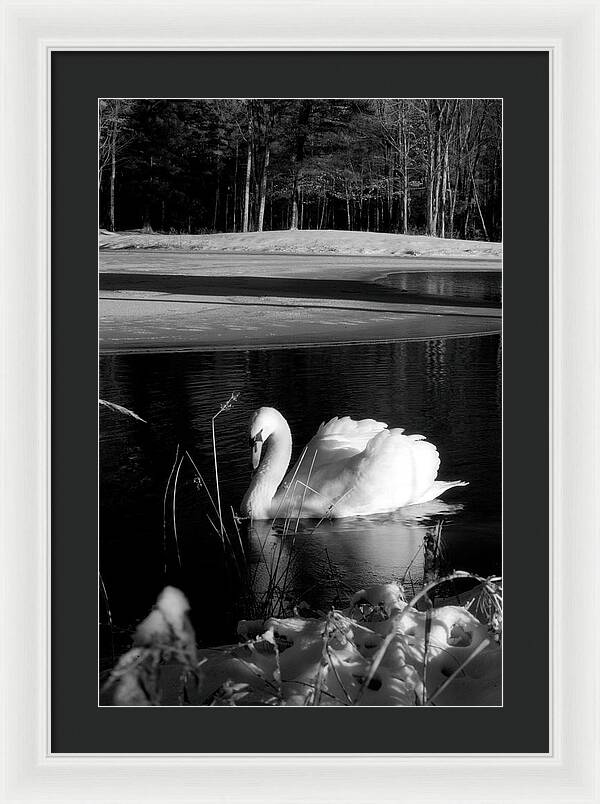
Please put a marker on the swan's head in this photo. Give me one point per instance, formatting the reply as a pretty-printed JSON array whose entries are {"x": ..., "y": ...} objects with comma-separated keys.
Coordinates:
[{"x": 263, "y": 423}]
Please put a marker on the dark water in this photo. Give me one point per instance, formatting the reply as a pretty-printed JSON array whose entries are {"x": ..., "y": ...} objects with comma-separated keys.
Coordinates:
[
  {"x": 469, "y": 289},
  {"x": 448, "y": 390},
  {"x": 464, "y": 287}
]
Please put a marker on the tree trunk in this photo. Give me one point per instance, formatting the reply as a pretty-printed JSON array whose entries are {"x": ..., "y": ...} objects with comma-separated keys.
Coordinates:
[
  {"x": 444, "y": 188},
  {"x": 246, "y": 218},
  {"x": 266, "y": 117},
  {"x": 348, "y": 208},
  {"x": 323, "y": 212},
  {"x": 452, "y": 197},
  {"x": 216, "y": 208},
  {"x": 263, "y": 185},
  {"x": 430, "y": 180},
  {"x": 333, "y": 200},
  {"x": 294, "y": 220},
  {"x": 235, "y": 189},
  {"x": 113, "y": 175},
  {"x": 437, "y": 182},
  {"x": 406, "y": 184},
  {"x": 303, "y": 118},
  {"x": 476, "y": 197},
  {"x": 466, "y": 225}
]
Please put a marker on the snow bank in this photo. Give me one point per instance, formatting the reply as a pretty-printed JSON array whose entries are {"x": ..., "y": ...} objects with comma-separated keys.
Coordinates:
[
  {"x": 304, "y": 241},
  {"x": 377, "y": 652},
  {"x": 285, "y": 662}
]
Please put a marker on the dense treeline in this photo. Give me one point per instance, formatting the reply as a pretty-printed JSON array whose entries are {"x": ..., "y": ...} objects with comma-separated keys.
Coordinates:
[{"x": 420, "y": 166}]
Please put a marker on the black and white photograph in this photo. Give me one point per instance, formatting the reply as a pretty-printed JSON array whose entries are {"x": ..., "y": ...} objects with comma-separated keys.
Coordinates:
[{"x": 300, "y": 402}]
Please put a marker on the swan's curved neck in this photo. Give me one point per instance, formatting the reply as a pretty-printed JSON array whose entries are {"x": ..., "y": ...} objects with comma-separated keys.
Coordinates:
[{"x": 274, "y": 461}]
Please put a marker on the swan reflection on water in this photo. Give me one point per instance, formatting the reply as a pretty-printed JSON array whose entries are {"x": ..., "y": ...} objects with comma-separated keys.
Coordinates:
[{"x": 327, "y": 560}]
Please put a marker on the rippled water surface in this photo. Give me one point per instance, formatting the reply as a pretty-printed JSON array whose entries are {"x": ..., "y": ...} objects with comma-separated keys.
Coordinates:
[
  {"x": 448, "y": 390},
  {"x": 457, "y": 286}
]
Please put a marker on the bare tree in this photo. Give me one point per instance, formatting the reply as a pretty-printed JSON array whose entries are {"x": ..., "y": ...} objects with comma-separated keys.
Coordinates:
[
  {"x": 267, "y": 113},
  {"x": 396, "y": 164},
  {"x": 246, "y": 216},
  {"x": 113, "y": 139},
  {"x": 304, "y": 114}
]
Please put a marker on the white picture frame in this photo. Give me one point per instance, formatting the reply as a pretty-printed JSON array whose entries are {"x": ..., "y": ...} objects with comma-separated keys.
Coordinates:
[{"x": 569, "y": 31}]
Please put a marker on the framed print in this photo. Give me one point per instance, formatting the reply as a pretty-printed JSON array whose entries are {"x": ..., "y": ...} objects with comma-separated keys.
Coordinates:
[
  {"x": 326, "y": 295},
  {"x": 392, "y": 237}
]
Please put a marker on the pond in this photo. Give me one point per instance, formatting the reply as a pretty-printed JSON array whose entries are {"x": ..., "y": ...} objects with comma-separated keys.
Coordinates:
[
  {"x": 457, "y": 287},
  {"x": 447, "y": 389}
]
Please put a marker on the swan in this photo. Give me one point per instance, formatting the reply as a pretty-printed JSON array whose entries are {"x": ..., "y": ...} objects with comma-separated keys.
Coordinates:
[{"x": 348, "y": 468}]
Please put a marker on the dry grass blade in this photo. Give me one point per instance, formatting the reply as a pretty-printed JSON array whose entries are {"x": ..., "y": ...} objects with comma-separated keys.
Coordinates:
[
  {"x": 331, "y": 507},
  {"x": 323, "y": 665},
  {"x": 172, "y": 472},
  {"x": 330, "y": 657},
  {"x": 237, "y": 530},
  {"x": 426, "y": 647},
  {"x": 412, "y": 561},
  {"x": 452, "y": 577},
  {"x": 216, "y": 465},
  {"x": 121, "y": 409},
  {"x": 224, "y": 407},
  {"x": 174, "y": 511},
  {"x": 221, "y": 530},
  {"x": 288, "y": 513},
  {"x": 110, "y": 619},
  {"x": 284, "y": 583},
  {"x": 202, "y": 482},
  {"x": 306, "y": 486},
  {"x": 287, "y": 491}
]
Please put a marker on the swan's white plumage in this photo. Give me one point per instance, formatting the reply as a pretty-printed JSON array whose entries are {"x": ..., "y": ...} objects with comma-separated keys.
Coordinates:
[
  {"x": 349, "y": 468},
  {"x": 336, "y": 440}
]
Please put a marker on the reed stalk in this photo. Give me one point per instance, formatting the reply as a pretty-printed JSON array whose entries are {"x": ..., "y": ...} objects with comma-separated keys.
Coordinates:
[
  {"x": 165, "y": 509},
  {"x": 174, "y": 513}
]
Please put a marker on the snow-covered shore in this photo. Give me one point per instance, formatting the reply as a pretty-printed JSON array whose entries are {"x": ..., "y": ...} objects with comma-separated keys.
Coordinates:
[{"x": 305, "y": 242}]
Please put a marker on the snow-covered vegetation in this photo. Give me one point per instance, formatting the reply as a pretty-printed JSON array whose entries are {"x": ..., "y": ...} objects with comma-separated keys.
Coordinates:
[{"x": 379, "y": 651}]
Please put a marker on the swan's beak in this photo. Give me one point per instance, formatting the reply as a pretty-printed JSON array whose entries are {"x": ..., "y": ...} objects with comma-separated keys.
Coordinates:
[{"x": 256, "y": 443}]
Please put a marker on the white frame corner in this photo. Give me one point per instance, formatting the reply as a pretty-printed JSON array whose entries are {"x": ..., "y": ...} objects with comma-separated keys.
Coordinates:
[{"x": 569, "y": 30}]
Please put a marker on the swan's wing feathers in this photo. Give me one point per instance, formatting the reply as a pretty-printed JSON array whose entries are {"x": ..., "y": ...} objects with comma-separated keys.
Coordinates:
[
  {"x": 439, "y": 487},
  {"x": 343, "y": 438},
  {"x": 425, "y": 460},
  {"x": 339, "y": 439},
  {"x": 345, "y": 428},
  {"x": 394, "y": 470}
]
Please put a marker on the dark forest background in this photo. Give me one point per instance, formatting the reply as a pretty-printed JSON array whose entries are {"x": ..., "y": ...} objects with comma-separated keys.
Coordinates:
[{"x": 413, "y": 166}]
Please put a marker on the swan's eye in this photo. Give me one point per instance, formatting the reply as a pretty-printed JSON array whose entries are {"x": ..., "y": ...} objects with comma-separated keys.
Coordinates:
[{"x": 255, "y": 439}]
